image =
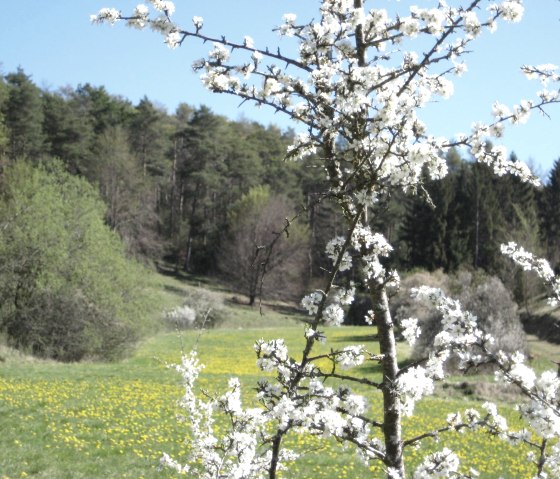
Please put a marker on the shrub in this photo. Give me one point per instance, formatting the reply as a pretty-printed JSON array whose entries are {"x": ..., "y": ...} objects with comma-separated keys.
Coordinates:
[
  {"x": 484, "y": 296},
  {"x": 66, "y": 289},
  {"x": 201, "y": 309},
  {"x": 182, "y": 317}
]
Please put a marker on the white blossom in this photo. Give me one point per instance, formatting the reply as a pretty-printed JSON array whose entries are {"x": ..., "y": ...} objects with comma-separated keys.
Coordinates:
[
  {"x": 529, "y": 262},
  {"x": 219, "y": 53},
  {"x": 109, "y": 15},
  {"x": 472, "y": 23},
  {"x": 165, "y": 6},
  {"x": 351, "y": 356},
  {"x": 333, "y": 315},
  {"x": 412, "y": 385},
  {"x": 410, "y": 330},
  {"x": 198, "y": 22},
  {"x": 271, "y": 354},
  {"x": 442, "y": 464},
  {"x": 173, "y": 39},
  {"x": 512, "y": 10},
  {"x": 311, "y": 302},
  {"x": 409, "y": 26}
]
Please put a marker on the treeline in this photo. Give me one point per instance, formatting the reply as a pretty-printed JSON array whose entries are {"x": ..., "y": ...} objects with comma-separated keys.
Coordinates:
[
  {"x": 473, "y": 213},
  {"x": 178, "y": 187}
]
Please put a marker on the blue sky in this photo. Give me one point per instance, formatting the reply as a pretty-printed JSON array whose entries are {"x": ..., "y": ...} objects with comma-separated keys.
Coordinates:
[{"x": 55, "y": 43}]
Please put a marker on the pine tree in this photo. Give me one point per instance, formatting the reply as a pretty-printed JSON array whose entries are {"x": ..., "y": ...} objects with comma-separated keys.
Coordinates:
[
  {"x": 23, "y": 114},
  {"x": 550, "y": 215}
]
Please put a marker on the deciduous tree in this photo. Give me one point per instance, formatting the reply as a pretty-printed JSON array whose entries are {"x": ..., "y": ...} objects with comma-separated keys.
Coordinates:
[
  {"x": 356, "y": 87},
  {"x": 66, "y": 289},
  {"x": 255, "y": 257}
]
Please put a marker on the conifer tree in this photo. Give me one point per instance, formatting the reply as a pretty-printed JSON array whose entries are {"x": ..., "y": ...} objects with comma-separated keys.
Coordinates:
[
  {"x": 550, "y": 215},
  {"x": 23, "y": 113}
]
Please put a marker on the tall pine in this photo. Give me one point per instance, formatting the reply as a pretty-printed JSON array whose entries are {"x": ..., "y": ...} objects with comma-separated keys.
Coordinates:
[{"x": 23, "y": 116}]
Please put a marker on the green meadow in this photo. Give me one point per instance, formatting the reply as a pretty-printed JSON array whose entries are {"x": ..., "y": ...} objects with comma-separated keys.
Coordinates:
[{"x": 114, "y": 420}]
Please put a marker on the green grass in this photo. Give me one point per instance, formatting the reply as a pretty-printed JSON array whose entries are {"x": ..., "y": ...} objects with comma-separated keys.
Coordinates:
[{"x": 114, "y": 420}]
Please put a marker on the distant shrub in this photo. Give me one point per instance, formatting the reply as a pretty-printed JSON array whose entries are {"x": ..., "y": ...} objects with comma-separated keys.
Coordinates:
[
  {"x": 497, "y": 312},
  {"x": 182, "y": 317},
  {"x": 484, "y": 296},
  {"x": 201, "y": 309}
]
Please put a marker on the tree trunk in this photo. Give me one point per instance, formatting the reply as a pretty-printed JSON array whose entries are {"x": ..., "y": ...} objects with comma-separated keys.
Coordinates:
[{"x": 392, "y": 412}]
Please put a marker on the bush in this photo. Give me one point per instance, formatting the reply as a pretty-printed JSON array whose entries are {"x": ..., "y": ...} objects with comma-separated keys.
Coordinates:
[
  {"x": 182, "y": 317},
  {"x": 201, "y": 309},
  {"x": 66, "y": 289},
  {"x": 484, "y": 296},
  {"x": 66, "y": 327}
]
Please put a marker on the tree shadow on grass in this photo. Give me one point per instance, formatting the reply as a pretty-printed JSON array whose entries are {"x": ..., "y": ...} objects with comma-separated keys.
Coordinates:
[
  {"x": 174, "y": 290},
  {"x": 368, "y": 338}
]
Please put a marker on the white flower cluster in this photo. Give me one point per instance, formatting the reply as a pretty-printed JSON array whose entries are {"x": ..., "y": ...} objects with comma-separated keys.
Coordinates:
[
  {"x": 183, "y": 316},
  {"x": 542, "y": 392},
  {"x": 106, "y": 15},
  {"x": 410, "y": 330},
  {"x": 140, "y": 18},
  {"x": 311, "y": 302},
  {"x": 441, "y": 464},
  {"x": 271, "y": 354},
  {"x": 541, "y": 411},
  {"x": 351, "y": 356},
  {"x": 371, "y": 246},
  {"x": 512, "y": 10},
  {"x": 498, "y": 424},
  {"x": 497, "y": 156},
  {"x": 333, "y": 315},
  {"x": 459, "y": 330},
  {"x": 333, "y": 250},
  {"x": 413, "y": 385},
  {"x": 530, "y": 262},
  {"x": 433, "y": 18},
  {"x": 165, "y": 6},
  {"x": 545, "y": 74},
  {"x": 238, "y": 452},
  {"x": 459, "y": 335}
]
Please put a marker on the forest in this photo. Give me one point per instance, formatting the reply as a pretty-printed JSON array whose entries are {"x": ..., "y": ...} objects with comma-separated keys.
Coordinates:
[{"x": 193, "y": 192}]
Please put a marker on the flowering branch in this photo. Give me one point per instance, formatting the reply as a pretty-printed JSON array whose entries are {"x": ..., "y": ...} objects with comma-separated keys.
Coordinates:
[{"x": 357, "y": 89}]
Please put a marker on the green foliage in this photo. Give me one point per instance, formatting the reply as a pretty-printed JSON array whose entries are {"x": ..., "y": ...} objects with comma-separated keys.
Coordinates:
[
  {"x": 23, "y": 115},
  {"x": 169, "y": 181},
  {"x": 66, "y": 289},
  {"x": 3, "y": 127},
  {"x": 462, "y": 220}
]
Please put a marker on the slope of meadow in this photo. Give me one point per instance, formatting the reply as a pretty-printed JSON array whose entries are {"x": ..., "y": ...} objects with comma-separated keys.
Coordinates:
[{"x": 114, "y": 420}]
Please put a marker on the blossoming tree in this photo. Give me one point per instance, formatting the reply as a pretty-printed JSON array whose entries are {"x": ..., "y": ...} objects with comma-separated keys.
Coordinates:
[{"x": 356, "y": 85}]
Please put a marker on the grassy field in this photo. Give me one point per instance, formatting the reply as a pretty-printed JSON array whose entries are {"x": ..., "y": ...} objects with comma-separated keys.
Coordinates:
[{"x": 92, "y": 420}]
